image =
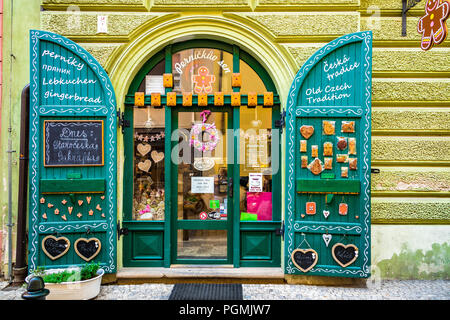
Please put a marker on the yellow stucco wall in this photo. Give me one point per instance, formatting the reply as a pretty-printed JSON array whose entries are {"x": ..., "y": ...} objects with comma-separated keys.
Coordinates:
[{"x": 411, "y": 88}]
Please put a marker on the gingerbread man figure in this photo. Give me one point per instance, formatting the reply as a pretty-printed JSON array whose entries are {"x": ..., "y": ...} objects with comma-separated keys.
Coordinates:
[
  {"x": 203, "y": 81},
  {"x": 432, "y": 26}
]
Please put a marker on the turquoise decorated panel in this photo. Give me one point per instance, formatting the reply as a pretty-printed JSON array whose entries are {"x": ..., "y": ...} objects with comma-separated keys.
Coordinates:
[
  {"x": 327, "y": 220},
  {"x": 72, "y": 178}
]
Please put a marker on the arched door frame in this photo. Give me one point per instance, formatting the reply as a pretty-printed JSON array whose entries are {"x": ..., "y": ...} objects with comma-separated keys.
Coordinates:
[{"x": 149, "y": 40}]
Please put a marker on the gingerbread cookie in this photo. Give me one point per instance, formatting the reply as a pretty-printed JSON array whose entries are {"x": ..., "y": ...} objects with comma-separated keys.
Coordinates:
[
  {"x": 303, "y": 145},
  {"x": 306, "y": 131},
  {"x": 353, "y": 163},
  {"x": 342, "y": 143},
  {"x": 304, "y": 161},
  {"x": 351, "y": 145},
  {"x": 433, "y": 26},
  {"x": 342, "y": 158},
  {"x": 316, "y": 166},
  {"x": 328, "y": 127},
  {"x": 328, "y": 163},
  {"x": 348, "y": 126},
  {"x": 328, "y": 149},
  {"x": 314, "y": 151},
  {"x": 344, "y": 172}
]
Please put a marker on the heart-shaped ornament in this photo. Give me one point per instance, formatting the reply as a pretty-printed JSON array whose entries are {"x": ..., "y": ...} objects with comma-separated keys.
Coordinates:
[
  {"x": 54, "y": 247},
  {"x": 326, "y": 213},
  {"x": 145, "y": 166},
  {"x": 70, "y": 209},
  {"x": 143, "y": 149},
  {"x": 327, "y": 238},
  {"x": 307, "y": 131},
  {"x": 157, "y": 156},
  {"x": 304, "y": 259},
  {"x": 64, "y": 217},
  {"x": 88, "y": 249},
  {"x": 88, "y": 199},
  {"x": 98, "y": 208},
  {"x": 344, "y": 255},
  {"x": 80, "y": 202}
]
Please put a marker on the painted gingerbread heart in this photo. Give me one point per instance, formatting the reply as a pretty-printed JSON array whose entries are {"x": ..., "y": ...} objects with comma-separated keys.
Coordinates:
[
  {"x": 143, "y": 149},
  {"x": 307, "y": 131},
  {"x": 145, "y": 166},
  {"x": 157, "y": 156}
]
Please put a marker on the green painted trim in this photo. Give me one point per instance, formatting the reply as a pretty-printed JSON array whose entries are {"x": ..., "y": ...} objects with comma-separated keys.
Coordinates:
[
  {"x": 326, "y": 186},
  {"x": 169, "y": 176},
  {"x": 72, "y": 185}
]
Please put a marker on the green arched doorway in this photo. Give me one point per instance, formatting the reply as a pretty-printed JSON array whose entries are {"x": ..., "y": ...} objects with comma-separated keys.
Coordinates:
[{"x": 167, "y": 193}]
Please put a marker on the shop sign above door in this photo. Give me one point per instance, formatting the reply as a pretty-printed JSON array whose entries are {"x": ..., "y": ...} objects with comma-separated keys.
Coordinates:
[
  {"x": 72, "y": 155},
  {"x": 328, "y": 114}
]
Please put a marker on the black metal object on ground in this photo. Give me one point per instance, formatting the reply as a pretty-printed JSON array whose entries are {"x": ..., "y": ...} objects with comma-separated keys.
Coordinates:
[{"x": 206, "y": 291}]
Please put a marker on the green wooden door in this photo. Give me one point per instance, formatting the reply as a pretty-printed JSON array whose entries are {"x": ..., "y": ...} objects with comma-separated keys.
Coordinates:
[
  {"x": 202, "y": 199},
  {"x": 328, "y": 161},
  {"x": 72, "y": 216}
]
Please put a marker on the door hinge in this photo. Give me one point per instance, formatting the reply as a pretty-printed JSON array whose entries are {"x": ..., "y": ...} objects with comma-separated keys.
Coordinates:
[
  {"x": 122, "y": 122},
  {"x": 121, "y": 231},
  {"x": 280, "y": 124},
  {"x": 280, "y": 231}
]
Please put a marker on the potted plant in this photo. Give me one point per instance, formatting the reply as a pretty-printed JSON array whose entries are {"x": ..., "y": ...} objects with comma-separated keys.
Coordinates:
[{"x": 73, "y": 283}]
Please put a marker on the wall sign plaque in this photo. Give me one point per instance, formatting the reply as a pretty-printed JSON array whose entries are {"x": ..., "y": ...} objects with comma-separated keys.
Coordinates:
[
  {"x": 345, "y": 255},
  {"x": 73, "y": 143},
  {"x": 304, "y": 259},
  {"x": 55, "y": 247},
  {"x": 88, "y": 249}
]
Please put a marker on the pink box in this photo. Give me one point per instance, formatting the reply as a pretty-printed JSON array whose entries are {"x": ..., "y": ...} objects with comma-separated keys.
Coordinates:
[{"x": 261, "y": 204}]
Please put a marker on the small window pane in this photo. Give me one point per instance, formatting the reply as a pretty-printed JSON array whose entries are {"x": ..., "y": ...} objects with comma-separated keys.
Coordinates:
[{"x": 149, "y": 137}]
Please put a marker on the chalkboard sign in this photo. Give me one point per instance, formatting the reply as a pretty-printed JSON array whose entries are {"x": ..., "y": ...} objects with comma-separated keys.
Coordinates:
[
  {"x": 304, "y": 259},
  {"x": 345, "y": 255},
  {"x": 73, "y": 143},
  {"x": 88, "y": 249},
  {"x": 54, "y": 247}
]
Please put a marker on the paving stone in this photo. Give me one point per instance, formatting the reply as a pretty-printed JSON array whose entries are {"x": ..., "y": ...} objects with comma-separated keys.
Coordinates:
[{"x": 384, "y": 290}]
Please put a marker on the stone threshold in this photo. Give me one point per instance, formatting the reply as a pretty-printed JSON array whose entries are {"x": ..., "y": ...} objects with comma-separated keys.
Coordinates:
[{"x": 199, "y": 273}]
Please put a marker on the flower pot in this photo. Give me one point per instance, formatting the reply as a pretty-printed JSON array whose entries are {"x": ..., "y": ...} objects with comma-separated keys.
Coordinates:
[{"x": 75, "y": 290}]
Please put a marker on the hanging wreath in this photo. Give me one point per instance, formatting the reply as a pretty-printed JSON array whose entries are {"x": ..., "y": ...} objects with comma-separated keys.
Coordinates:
[{"x": 197, "y": 131}]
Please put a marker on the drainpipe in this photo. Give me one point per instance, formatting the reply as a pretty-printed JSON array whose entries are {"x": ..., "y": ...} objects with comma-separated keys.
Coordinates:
[
  {"x": 20, "y": 267},
  {"x": 10, "y": 151}
]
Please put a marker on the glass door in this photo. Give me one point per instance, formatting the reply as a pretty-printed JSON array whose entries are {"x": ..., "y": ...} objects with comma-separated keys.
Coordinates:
[{"x": 202, "y": 208}]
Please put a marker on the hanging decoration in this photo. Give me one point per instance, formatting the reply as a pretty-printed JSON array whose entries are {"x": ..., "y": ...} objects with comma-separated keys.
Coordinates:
[
  {"x": 327, "y": 238},
  {"x": 344, "y": 255},
  {"x": 433, "y": 25},
  {"x": 304, "y": 259},
  {"x": 87, "y": 249},
  {"x": 151, "y": 138},
  {"x": 197, "y": 131},
  {"x": 55, "y": 247}
]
